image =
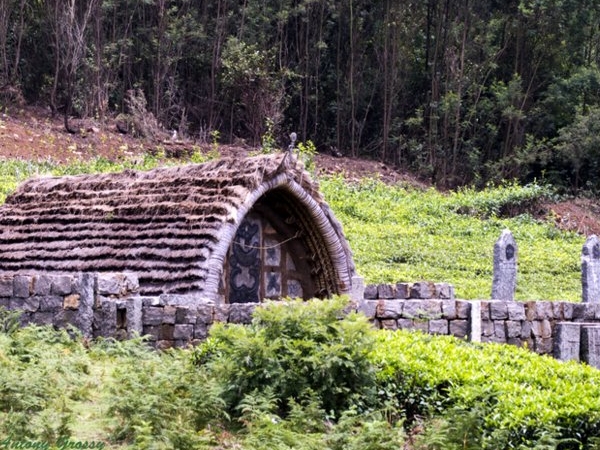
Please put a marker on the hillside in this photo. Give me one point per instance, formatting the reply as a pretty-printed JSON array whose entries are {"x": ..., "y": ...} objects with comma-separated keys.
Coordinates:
[{"x": 32, "y": 133}]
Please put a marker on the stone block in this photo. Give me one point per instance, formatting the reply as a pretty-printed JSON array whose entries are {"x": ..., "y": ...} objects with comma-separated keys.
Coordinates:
[
  {"x": 449, "y": 310},
  {"x": 61, "y": 285},
  {"x": 368, "y": 308},
  {"x": 185, "y": 315},
  {"x": 42, "y": 285},
  {"x": 5, "y": 302},
  {"x": 541, "y": 328},
  {"x": 421, "y": 325},
  {"x": 543, "y": 346},
  {"x": 105, "y": 319},
  {"x": 134, "y": 316},
  {"x": 241, "y": 312},
  {"x": 152, "y": 315},
  {"x": 515, "y": 310},
  {"x": 579, "y": 312},
  {"x": 526, "y": 329},
  {"x": 151, "y": 331},
  {"x": 438, "y": 326},
  {"x": 500, "y": 331},
  {"x": 30, "y": 304},
  {"x": 169, "y": 314},
  {"x": 153, "y": 301},
  {"x": 389, "y": 324},
  {"x": 498, "y": 310},
  {"x": 485, "y": 310},
  {"x": 463, "y": 309},
  {"x": 111, "y": 284},
  {"x": 389, "y": 309},
  {"x": 590, "y": 345},
  {"x": 422, "y": 290},
  {"x": 444, "y": 291},
  {"x": 589, "y": 311},
  {"x": 386, "y": 291},
  {"x": 403, "y": 290},
  {"x": 221, "y": 313},
  {"x": 22, "y": 286},
  {"x": 42, "y": 318},
  {"x": 557, "y": 310},
  {"x": 568, "y": 310},
  {"x": 183, "y": 332},
  {"x": 567, "y": 341},
  {"x": 205, "y": 313},
  {"x": 371, "y": 291},
  {"x": 201, "y": 331},
  {"x": 166, "y": 332},
  {"x": 71, "y": 301},
  {"x": 405, "y": 324},
  {"x": 426, "y": 309},
  {"x": 513, "y": 329},
  {"x": 50, "y": 303},
  {"x": 487, "y": 328},
  {"x": 459, "y": 328},
  {"x": 6, "y": 286}
]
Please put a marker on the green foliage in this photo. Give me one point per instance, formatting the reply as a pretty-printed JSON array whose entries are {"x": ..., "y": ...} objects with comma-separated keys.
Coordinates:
[
  {"x": 295, "y": 349},
  {"x": 42, "y": 372},
  {"x": 496, "y": 396},
  {"x": 404, "y": 234},
  {"x": 163, "y": 398}
]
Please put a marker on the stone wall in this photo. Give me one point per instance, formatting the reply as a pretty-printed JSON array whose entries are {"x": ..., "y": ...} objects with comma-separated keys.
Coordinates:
[
  {"x": 563, "y": 329},
  {"x": 109, "y": 305}
]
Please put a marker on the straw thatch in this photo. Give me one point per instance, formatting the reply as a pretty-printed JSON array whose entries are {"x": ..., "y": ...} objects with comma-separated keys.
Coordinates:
[{"x": 170, "y": 226}]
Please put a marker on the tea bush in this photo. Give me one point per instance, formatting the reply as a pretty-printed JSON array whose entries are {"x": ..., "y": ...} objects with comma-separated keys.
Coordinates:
[
  {"x": 403, "y": 234},
  {"x": 511, "y": 397}
]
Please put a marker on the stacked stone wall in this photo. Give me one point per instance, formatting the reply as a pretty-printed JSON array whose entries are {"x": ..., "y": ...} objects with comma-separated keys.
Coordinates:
[{"x": 109, "y": 305}]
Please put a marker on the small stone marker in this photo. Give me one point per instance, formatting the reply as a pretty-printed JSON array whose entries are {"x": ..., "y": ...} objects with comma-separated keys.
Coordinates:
[
  {"x": 590, "y": 345},
  {"x": 567, "y": 341},
  {"x": 504, "y": 282},
  {"x": 590, "y": 270}
]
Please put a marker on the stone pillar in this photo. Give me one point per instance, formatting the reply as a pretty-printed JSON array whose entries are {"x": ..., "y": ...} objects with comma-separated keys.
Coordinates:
[
  {"x": 590, "y": 345},
  {"x": 475, "y": 325},
  {"x": 357, "y": 294},
  {"x": 590, "y": 270},
  {"x": 504, "y": 282},
  {"x": 567, "y": 341}
]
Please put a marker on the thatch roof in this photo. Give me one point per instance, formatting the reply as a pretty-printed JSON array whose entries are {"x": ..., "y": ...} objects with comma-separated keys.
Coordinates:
[{"x": 170, "y": 226}]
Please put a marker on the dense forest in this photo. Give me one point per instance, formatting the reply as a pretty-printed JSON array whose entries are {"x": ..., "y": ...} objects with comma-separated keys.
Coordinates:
[{"x": 459, "y": 91}]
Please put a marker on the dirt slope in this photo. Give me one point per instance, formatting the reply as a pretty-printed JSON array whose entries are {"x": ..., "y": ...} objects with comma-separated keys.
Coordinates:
[{"x": 32, "y": 133}]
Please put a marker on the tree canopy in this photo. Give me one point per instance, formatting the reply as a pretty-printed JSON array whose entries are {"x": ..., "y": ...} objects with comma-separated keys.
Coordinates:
[{"x": 456, "y": 90}]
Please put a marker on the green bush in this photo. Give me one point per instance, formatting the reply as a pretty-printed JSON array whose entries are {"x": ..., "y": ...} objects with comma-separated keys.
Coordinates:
[
  {"x": 42, "y": 373},
  {"x": 521, "y": 400},
  {"x": 160, "y": 400},
  {"x": 295, "y": 348}
]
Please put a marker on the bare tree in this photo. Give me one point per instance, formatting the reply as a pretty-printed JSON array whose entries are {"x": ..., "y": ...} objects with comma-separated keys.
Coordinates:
[{"x": 70, "y": 22}]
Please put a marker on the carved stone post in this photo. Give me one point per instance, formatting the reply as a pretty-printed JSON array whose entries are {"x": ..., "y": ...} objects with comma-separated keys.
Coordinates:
[
  {"x": 504, "y": 283},
  {"x": 590, "y": 270}
]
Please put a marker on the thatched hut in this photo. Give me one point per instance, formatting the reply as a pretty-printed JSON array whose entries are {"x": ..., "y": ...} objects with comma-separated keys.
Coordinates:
[{"x": 234, "y": 230}]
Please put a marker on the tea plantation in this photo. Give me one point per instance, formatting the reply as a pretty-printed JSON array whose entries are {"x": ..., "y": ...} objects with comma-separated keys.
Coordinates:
[{"x": 300, "y": 378}]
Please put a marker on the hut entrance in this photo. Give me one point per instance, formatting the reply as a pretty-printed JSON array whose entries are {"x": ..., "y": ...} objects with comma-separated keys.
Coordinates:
[
  {"x": 262, "y": 263},
  {"x": 278, "y": 251}
]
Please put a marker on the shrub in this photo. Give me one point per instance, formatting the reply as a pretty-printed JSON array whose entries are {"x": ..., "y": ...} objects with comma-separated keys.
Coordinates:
[
  {"x": 295, "y": 348},
  {"x": 521, "y": 400}
]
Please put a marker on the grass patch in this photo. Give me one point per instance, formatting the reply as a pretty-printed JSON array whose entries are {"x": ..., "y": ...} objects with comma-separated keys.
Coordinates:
[{"x": 403, "y": 234}]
